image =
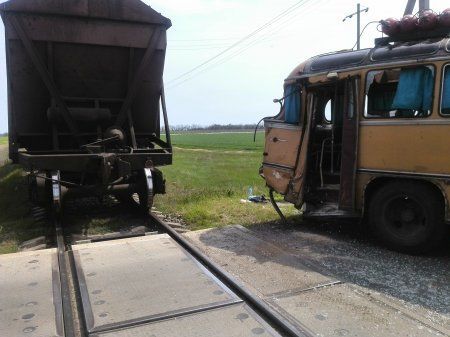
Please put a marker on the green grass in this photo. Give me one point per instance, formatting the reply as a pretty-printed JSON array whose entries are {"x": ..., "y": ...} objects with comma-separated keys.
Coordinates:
[
  {"x": 235, "y": 141},
  {"x": 16, "y": 223},
  {"x": 204, "y": 188}
]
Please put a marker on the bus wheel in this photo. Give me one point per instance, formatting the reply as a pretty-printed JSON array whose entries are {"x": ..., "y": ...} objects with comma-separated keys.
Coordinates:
[{"x": 407, "y": 217}]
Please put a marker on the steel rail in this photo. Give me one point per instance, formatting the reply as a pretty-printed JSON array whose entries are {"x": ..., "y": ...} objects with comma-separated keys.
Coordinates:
[
  {"x": 67, "y": 311},
  {"x": 67, "y": 270},
  {"x": 275, "y": 319}
]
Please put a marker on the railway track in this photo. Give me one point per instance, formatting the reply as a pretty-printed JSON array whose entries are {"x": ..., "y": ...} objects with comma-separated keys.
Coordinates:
[{"x": 236, "y": 309}]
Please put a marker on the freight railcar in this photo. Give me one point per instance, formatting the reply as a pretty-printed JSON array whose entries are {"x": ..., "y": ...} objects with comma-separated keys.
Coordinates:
[{"x": 86, "y": 96}]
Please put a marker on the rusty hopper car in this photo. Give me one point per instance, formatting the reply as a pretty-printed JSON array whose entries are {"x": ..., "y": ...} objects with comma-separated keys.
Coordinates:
[{"x": 85, "y": 94}]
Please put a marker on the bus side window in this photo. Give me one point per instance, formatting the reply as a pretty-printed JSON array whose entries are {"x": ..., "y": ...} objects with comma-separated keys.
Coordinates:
[
  {"x": 399, "y": 93},
  {"x": 327, "y": 115},
  {"x": 445, "y": 103},
  {"x": 292, "y": 104}
]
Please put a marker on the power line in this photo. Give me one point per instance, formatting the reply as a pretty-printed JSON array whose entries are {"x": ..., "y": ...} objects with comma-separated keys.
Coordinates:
[
  {"x": 269, "y": 36},
  {"x": 245, "y": 38},
  {"x": 205, "y": 39}
]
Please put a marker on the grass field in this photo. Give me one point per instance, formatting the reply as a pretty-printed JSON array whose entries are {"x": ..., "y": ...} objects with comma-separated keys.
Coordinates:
[
  {"x": 210, "y": 175},
  {"x": 3, "y": 140},
  {"x": 237, "y": 141}
]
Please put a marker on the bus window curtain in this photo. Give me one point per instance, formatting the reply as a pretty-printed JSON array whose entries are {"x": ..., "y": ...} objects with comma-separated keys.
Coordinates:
[
  {"x": 380, "y": 98},
  {"x": 446, "y": 92},
  {"x": 415, "y": 89},
  {"x": 292, "y": 104}
]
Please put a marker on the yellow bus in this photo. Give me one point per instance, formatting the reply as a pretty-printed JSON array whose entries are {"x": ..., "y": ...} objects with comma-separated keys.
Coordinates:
[{"x": 366, "y": 134}]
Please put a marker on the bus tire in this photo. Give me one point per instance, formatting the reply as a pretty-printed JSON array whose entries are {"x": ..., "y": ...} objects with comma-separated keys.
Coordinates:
[{"x": 407, "y": 217}]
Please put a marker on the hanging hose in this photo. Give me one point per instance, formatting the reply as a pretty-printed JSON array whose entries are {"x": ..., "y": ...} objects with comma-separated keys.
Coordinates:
[
  {"x": 277, "y": 209},
  {"x": 256, "y": 129}
]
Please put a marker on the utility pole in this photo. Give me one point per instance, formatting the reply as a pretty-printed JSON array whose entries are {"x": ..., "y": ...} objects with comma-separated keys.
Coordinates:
[
  {"x": 423, "y": 6},
  {"x": 358, "y": 26},
  {"x": 409, "y": 7},
  {"x": 358, "y": 12}
]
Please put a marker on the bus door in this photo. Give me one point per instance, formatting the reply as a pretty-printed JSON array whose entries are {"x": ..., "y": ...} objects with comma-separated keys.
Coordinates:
[
  {"x": 349, "y": 144},
  {"x": 280, "y": 154},
  {"x": 283, "y": 140}
]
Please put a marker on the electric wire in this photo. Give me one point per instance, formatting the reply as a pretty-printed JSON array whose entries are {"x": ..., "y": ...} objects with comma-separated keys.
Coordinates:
[
  {"x": 362, "y": 32},
  {"x": 192, "y": 43},
  {"x": 277, "y": 18},
  {"x": 263, "y": 38}
]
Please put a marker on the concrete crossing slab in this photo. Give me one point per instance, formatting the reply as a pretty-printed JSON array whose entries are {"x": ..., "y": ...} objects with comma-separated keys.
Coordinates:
[
  {"x": 130, "y": 281},
  {"x": 30, "y": 295},
  {"x": 339, "y": 310},
  {"x": 306, "y": 296},
  {"x": 233, "y": 321}
]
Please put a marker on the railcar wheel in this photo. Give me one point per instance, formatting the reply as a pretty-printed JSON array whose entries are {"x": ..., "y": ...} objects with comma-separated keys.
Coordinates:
[
  {"x": 145, "y": 201},
  {"x": 140, "y": 200},
  {"x": 407, "y": 217},
  {"x": 144, "y": 194}
]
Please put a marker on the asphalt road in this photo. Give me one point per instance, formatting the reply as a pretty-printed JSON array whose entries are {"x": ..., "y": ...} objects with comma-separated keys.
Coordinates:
[{"x": 332, "y": 280}]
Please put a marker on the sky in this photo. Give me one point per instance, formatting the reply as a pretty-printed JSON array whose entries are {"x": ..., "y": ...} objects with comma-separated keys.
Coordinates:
[{"x": 239, "y": 86}]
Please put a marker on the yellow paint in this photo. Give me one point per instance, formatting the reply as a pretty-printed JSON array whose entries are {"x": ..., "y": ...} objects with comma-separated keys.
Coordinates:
[{"x": 405, "y": 148}]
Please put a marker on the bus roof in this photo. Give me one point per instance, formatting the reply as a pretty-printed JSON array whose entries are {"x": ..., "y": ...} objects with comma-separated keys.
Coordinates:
[{"x": 390, "y": 53}]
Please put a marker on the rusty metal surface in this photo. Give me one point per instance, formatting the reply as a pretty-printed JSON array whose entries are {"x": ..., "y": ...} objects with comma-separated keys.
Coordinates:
[
  {"x": 282, "y": 145},
  {"x": 122, "y": 10},
  {"x": 346, "y": 60},
  {"x": 66, "y": 55},
  {"x": 85, "y": 88}
]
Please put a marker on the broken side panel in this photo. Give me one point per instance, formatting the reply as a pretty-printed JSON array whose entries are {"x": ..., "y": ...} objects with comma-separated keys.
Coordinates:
[{"x": 280, "y": 154}]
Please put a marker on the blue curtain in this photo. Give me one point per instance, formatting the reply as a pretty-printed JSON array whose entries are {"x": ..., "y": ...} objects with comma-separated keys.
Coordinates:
[
  {"x": 415, "y": 89},
  {"x": 292, "y": 104},
  {"x": 446, "y": 90}
]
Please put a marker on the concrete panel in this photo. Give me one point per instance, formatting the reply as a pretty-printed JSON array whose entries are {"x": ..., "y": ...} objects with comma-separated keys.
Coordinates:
[
  {"x": 30, "y": 302},
  {"x": 234, "y": 321},
  {"x": 341, "y": 311},
  {"x": 150, "y": 278}
]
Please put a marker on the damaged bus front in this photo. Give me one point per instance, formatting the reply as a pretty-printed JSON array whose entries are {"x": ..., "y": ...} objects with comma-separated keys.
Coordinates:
[{"x": 364, "y": 135}]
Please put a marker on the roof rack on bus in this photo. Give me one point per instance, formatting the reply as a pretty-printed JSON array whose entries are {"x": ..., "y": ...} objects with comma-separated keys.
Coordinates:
[
  {"x": 442, "y": 32},
  {"x": 425, "y": 25}
]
